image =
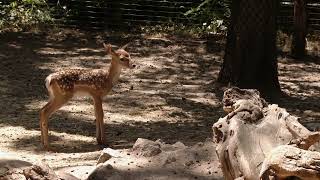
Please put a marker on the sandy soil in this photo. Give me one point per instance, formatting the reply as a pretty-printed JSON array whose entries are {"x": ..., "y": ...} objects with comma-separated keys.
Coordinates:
[{"x": 171, "y": 95}]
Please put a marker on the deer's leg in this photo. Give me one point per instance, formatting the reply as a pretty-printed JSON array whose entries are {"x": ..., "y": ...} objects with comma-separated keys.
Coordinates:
[
  {"x": 53, "y": 105},
  {"x": 99, "y": 120},
  {"x": 43, "y": 118}
]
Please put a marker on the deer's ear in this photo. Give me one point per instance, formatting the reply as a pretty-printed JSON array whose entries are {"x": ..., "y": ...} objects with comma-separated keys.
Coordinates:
[
  {"x": 124, "y": 46},
  {"x": 108, "y": 48}
]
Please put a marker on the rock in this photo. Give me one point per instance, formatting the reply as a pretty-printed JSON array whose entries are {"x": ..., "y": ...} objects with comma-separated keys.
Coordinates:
[
  {"x": 156, "y": 160},
  {"x": 66, "y": 176},
  {"x": 8, "y": 161},
  {"x": 108, "y": 153},
  {"x": 40, "y": 170},
  {"x": 179, "y": 145},
  {"x": 75, "y": 172},
  {"x": 146, "y": 148},
  {"x": 104, "y": 172},
  {"x": 104, "y": 156},
  {"x": 13, "y": 168},
  {"x": 173, "y": 147}
]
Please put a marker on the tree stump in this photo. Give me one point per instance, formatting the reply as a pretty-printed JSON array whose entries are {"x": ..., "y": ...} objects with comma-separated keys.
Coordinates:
[{"x": 255, "y": 135}]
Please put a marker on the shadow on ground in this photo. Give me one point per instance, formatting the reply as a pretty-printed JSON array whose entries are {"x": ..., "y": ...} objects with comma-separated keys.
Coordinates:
[
  {"x": 167, "y": 97},
  {"x": 171, "y": 95},
  {"x": 300, "y": 82}
]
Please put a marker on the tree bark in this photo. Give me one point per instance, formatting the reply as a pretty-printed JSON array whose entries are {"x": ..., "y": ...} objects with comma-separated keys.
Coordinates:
[
  {"x": 114, "y": 18},
  {"x": 250, "y": 54},
  {"x": 256, "y": 140},
  {"x": 298, "y": 48}
]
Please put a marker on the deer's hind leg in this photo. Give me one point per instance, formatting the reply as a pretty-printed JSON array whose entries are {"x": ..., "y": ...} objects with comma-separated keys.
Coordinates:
[{"x": 56, "y": 101}]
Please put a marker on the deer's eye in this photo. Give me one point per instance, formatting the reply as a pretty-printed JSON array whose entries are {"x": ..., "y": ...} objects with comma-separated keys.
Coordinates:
[{"x": 122, "y": 59}]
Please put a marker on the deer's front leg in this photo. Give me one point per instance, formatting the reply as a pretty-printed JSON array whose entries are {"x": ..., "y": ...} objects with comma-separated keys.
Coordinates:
[
  {"x": 44, "y": 115},
  {"x": 99, "y": 120}
]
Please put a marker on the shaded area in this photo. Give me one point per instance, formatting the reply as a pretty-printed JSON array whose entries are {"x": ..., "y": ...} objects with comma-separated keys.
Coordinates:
[
  {"x": 118, "y": 135},
  {"x": 22, "y": 80},
  {"x": 171, "y": 95},
  {"x": 300, "y": 82},
  {"x": 158, "y": 173}
]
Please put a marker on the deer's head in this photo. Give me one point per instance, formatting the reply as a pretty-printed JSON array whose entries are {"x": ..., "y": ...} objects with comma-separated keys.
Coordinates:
[{"x": 120, "y": 56}]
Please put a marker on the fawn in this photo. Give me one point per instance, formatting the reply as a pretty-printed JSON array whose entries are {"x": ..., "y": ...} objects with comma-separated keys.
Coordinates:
[{"x": 95, "y": 83}]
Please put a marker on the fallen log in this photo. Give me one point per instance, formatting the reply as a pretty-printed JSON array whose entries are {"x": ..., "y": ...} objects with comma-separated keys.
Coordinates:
[
  {"x": 252, "y": 130},
  {"x": 288, "y": 161}
]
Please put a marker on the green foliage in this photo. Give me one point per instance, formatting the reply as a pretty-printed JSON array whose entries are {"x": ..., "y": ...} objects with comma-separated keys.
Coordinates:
[
  {"x": 23, "y": 14},
  {"x": 177, "y": 29},
  {"x": 66, "y": 11},
  {"x": 212, "y": 15}
]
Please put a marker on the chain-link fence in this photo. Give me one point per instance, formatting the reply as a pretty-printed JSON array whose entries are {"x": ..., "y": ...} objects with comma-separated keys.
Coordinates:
[
  {"x": 285, "y": 16},
  {"x": 102, "y": 14},
  {"x": 99, "y": 14}
]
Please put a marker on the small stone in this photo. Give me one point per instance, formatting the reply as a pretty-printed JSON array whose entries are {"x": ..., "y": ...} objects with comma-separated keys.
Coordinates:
[
  {"x": 146, "y": 148},
  {"x": 189, "y": 163},
  {"x": 109, "y": 166},
  {"x": 107, "y": 154}
]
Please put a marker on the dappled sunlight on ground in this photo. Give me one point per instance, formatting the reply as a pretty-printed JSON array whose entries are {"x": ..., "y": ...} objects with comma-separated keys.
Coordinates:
[
  {"x": 300, "y": 81},
  {"x": 171, "y": 95}
]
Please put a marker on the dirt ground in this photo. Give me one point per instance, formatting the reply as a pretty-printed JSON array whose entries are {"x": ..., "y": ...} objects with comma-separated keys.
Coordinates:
[{"x": 172, "y": 94}]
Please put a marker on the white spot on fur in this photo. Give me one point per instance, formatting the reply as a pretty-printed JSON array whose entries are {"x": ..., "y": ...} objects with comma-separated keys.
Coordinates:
[{"x": 48, "y": 86}]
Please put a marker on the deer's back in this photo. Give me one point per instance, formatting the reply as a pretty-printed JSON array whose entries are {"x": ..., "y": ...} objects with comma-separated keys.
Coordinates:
[{"x": 69, "y": 79}]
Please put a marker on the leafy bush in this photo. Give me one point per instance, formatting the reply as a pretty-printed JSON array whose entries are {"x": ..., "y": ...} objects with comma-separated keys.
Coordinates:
[
  {"x": 23, "y": 14},
  {"x": 212, "y": 14}
]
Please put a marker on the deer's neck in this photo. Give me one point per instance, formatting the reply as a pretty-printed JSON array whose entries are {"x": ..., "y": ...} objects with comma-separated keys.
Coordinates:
[{"x": 114, "y": 71}]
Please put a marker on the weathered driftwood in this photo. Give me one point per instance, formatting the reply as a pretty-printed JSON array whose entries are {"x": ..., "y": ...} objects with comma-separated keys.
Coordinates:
[
  {"x": 289, "y": 161},
  {"x": 251, "y": 130}
]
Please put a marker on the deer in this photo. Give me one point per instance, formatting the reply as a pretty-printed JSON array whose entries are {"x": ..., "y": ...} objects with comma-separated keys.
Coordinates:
[{"x": 63, "y": 85}]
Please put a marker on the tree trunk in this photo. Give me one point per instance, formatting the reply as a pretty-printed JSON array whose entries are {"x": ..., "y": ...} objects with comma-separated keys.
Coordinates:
[
  {"x": 256, "y": 140},
  {"x": 114, "y": 20},
  {"x": 250, "y": 54},
  {"x": 300, "y": 29}
]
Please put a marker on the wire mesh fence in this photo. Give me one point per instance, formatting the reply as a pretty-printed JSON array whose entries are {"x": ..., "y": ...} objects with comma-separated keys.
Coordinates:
[
  {"x": 105, "y": 14},
  {"x": 100, "y": 14},
  {"x": 285, "y": 16}
]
